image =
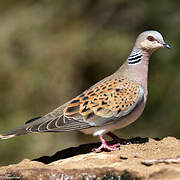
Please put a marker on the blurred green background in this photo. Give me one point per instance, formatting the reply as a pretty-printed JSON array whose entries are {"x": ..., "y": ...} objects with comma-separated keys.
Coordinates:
[{"x": 52, "y": 50}]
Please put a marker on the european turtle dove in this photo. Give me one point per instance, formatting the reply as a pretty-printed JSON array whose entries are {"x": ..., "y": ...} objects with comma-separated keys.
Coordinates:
[{"x": 113, "y": 103}]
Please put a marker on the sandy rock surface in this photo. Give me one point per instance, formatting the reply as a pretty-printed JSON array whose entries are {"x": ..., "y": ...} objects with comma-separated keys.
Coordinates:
[{"x": 142, "y": 159}]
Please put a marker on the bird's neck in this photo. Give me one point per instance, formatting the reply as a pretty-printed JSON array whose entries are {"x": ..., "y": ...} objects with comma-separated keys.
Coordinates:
[{"x": 136, "y": 67}]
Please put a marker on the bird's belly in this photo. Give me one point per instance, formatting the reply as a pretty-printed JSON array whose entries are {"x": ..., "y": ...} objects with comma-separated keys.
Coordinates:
[{"x": 117, "y": 124}]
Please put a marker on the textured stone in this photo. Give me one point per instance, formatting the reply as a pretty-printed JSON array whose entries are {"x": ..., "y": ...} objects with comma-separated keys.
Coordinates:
[{"x": 80, "y": 162}]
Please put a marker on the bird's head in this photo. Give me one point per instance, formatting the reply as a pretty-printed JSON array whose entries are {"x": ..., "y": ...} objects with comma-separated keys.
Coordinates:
[{"x": 150, "y": 41}]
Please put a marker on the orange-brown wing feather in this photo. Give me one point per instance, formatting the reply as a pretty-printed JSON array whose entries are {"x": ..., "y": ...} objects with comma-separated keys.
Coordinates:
[{"x": 110, "y": 99}]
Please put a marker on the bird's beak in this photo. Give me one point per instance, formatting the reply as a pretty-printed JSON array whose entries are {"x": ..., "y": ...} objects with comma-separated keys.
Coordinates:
[{"x": 166, "y": 45}]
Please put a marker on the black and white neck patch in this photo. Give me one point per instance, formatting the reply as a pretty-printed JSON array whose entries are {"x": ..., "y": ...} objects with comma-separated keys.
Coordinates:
[{"x": 135, "y": 57}]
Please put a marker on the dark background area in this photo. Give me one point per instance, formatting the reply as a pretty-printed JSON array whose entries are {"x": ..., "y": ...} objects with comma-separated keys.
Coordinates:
[{"x": 50, "y": 51}]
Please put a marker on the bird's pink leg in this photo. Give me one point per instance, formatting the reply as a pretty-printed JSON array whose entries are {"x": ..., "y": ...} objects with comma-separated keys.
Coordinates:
[
  {"x": 105, "y": 146},
  {"x": 117, "y": 139}
]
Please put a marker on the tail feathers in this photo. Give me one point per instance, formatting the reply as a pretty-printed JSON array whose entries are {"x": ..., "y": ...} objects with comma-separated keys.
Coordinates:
[
  {"x": 5, "y": 136},
  {"x": 32, "y": 120},
  {"x": 18, "y": 131},
  {"x": 15, "y": 132}
]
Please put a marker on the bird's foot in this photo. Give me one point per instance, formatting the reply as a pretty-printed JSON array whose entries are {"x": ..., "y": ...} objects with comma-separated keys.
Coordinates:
[{"x": 105, "y": 146}]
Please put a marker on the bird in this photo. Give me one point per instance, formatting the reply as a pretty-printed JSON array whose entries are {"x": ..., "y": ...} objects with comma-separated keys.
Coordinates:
[{"x": 112, "y": 103}]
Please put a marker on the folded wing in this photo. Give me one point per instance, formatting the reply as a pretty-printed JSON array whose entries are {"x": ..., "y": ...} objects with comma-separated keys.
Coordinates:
[{"x": 97, "y": 106}]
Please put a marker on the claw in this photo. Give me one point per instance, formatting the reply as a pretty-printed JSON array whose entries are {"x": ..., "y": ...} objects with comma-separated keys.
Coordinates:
[{"x": 105, "y": 146}]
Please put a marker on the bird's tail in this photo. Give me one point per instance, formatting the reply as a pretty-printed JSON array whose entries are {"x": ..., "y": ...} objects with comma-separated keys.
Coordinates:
[
  {"x": 15, "y": 132},
  {"x": 18, "y": 131}
]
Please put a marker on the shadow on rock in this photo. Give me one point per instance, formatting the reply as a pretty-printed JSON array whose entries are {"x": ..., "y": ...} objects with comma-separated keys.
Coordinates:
[{"x": 83, "y": 149}]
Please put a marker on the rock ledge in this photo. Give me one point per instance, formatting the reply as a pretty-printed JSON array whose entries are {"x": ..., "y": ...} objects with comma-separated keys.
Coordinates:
[{"x": 144, "y": 158}]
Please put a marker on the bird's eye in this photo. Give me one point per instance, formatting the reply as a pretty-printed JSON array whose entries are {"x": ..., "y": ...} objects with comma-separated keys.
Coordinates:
[{"x": 150, "y": 38}]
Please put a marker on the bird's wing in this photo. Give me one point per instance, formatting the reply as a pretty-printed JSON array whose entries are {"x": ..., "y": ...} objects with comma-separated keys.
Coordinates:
[
  {"x": 97, "y": 106},
  {"x": 111, "y": 99}
]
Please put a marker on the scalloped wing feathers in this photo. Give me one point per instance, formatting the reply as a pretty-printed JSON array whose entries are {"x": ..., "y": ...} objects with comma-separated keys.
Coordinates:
[{"x": 101, "y": 104}]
